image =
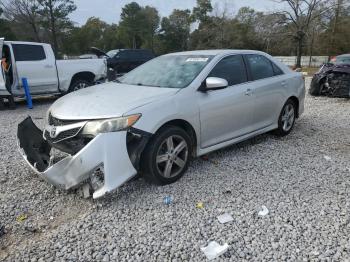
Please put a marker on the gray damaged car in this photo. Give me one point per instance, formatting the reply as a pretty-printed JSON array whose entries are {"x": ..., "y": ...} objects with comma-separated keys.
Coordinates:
[{"x": 154, "y": 119}]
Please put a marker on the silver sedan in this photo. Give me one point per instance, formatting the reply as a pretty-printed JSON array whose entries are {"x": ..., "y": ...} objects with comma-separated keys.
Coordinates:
[{"x": 153, "y": 120}]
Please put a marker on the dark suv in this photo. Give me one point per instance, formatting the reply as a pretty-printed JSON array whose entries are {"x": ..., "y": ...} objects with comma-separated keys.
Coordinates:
[{"x": 125, "y": 60}]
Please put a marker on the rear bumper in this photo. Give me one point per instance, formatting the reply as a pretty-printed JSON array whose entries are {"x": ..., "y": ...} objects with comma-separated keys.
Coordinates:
[{"x": 107, "y": 151}]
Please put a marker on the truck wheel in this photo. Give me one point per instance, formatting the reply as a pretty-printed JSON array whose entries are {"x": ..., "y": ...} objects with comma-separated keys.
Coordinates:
[
  {"x": 167, "y": 155},
  {"x": 79, "y": 84}
]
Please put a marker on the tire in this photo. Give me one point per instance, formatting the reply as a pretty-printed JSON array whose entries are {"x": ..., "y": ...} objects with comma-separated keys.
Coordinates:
[
  {"x": 79, "y": 84},
  {"x": 316, "y": 86},
  {"x": 287, "y": 118},
  {"x": 163, "y": 146}
]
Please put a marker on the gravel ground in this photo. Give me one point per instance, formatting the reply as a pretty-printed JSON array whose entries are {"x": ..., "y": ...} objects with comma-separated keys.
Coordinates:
[{"x": 307, "y": 196}]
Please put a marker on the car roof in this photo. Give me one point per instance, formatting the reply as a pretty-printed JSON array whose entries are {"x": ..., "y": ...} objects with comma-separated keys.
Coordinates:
[
  {"x": 217, "y": 52},
  {"x": 25, "y": 43},
  {"x": 138, "y": 50},
  {"x": 345, "y": 55}
]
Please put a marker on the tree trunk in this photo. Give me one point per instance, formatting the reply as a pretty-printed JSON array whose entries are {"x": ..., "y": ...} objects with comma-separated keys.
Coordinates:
[
  {"x": 299, "y": 51},
  {"x": 134, "y": 42},
  {"x": 36, "y": 33},
  {"x": 312, "y": 47},
  {"x": 53, "y": 28},
  {"x": 334, "y": 29}
]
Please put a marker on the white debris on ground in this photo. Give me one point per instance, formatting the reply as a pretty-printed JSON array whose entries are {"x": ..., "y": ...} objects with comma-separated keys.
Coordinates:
[
  {"x": 309, "y": 197},
  {"x": 328, "y": 158},
  {"x": 225, "y": 218},
  {"x": 214, "y": 250},
  {"x": 263, "y": 212}
]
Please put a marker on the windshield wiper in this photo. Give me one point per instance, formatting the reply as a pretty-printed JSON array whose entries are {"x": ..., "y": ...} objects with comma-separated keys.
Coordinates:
[{"x": 140, "y": 84}]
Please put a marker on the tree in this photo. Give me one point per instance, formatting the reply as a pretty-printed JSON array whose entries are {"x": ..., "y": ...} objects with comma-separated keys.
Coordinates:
[
  {"x": 54, "y": 17},
  {"x": 131, "y": 24},
  {"x": 94, "y": 33},
  {"x": 298, "y": 16},
  {"x": 151, "y": 19},
  {"x": 202, "y": 10},
  {"x": 271, "y": 33},
  {"x": 24, "y": 14},
  {"x": 175, "y": 31},
  {"x": 338, "y": 23},
  {"x": 5, "y": 28}
]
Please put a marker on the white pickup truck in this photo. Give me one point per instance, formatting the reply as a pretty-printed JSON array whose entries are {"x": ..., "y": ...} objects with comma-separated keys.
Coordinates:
[{"x": 45, "y": 74}]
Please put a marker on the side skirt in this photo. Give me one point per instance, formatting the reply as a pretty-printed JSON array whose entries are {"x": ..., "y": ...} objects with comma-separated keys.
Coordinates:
[{"x": 203, "y": 151}]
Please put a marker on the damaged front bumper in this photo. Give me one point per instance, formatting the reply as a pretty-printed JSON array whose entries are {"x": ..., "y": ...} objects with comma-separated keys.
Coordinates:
[{"x": 107, "y": 151}]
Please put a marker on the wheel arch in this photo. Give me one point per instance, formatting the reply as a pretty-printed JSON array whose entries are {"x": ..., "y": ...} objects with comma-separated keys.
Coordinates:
[
  {"x": 296, "y": 102},
  {"x": 187, "y": 127},
  {"x": 86, "y": 75}
]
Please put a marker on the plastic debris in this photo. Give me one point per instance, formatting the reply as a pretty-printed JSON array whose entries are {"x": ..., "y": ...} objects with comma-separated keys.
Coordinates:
[
  {"x": 51, "y": 217},
  {"x": 264, "y": 211},
  {"x": 167, "y": 200},
  {"x": 225, "y": 218},
  {"x": 86, "y": 191},
  {"x": 22, "y": 217},
  {"x": 328, "y": 158},
  {"x": 200, "y": 205},
  {"x": 214, "y": 250}
]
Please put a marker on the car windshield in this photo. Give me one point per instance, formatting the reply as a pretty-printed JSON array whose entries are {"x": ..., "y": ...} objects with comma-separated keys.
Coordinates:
[
  {"x": 112, "y": 53},
  {"x": 170, "y": 71},
  {"x": 342, "y": 60}
]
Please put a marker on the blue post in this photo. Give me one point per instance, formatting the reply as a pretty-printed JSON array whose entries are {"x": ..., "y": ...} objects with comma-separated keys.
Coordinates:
[{"x": 27, "y": 92}]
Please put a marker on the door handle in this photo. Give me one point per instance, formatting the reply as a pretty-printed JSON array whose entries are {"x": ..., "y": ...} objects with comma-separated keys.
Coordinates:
[
  {"x": 248, "y": 92},
  {"x": 284, "y": 83},
  {"x": 48, "y": 66}
]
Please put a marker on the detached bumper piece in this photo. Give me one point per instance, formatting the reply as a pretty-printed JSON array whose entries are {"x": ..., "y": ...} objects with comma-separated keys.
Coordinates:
[{"x": 107, "y": 152}]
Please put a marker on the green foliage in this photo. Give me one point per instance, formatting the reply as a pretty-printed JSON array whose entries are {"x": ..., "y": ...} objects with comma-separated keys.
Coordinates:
[
  {"x": 54, "y": 17},
  {"x": 138, "y": 26},
  {"x": 5, "y": 28},
  {"x": 202, "y": 10},
  {"x": 141, "y": 27},
  {"x": 175, "y": 31}
]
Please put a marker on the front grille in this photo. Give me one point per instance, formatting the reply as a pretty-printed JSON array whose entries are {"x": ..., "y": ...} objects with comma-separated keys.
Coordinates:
[
  {"x": 63, "y": 135},
  {"x": 53, "y": 121}
]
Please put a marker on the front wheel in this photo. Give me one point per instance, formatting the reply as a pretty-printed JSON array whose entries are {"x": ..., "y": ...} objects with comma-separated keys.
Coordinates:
[
  {"x": 167, "y": 156},
  {"x": 79, "y": 84},
  {"x": 287, "y": 118}
]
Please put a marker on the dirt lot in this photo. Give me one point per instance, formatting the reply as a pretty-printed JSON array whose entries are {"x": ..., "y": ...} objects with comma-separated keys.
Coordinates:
[{"x": 303, "y": 180}]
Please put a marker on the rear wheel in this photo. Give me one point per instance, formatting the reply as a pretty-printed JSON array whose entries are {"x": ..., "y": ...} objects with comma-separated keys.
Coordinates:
[
  {"x": 287, "y": 118},
  {"x": 167, "y": 156},
  {"x": 79, "y": 84}
]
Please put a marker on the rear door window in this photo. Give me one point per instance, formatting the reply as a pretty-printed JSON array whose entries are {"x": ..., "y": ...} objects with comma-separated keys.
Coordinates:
[
  {"x": 260, "y": 67},
  {"x": 28, "y": 52},
  {"x": 278, "y": 71},
  {"x": 231, "y": 68}
]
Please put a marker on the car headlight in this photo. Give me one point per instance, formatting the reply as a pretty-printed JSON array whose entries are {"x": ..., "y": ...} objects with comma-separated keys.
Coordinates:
[{"x": 110, "y": 125}]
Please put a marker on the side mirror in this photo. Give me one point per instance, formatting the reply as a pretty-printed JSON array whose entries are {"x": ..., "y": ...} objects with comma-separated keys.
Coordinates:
[{"x": 213, "y": 83}]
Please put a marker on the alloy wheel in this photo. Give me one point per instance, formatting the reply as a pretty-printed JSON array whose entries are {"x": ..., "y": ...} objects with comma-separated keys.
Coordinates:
[
  {"x": 172, "y": 156},
  {"x": 288, "y": 117},
  {"x": 81, "y": 85}
]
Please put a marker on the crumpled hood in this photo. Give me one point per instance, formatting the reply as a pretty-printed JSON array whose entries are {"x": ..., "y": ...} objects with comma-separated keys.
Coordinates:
[{"x": 106, "y": 101}]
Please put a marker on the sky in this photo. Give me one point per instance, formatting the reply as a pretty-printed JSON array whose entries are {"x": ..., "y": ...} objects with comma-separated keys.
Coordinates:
[{"x": 110, "y": 10}]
